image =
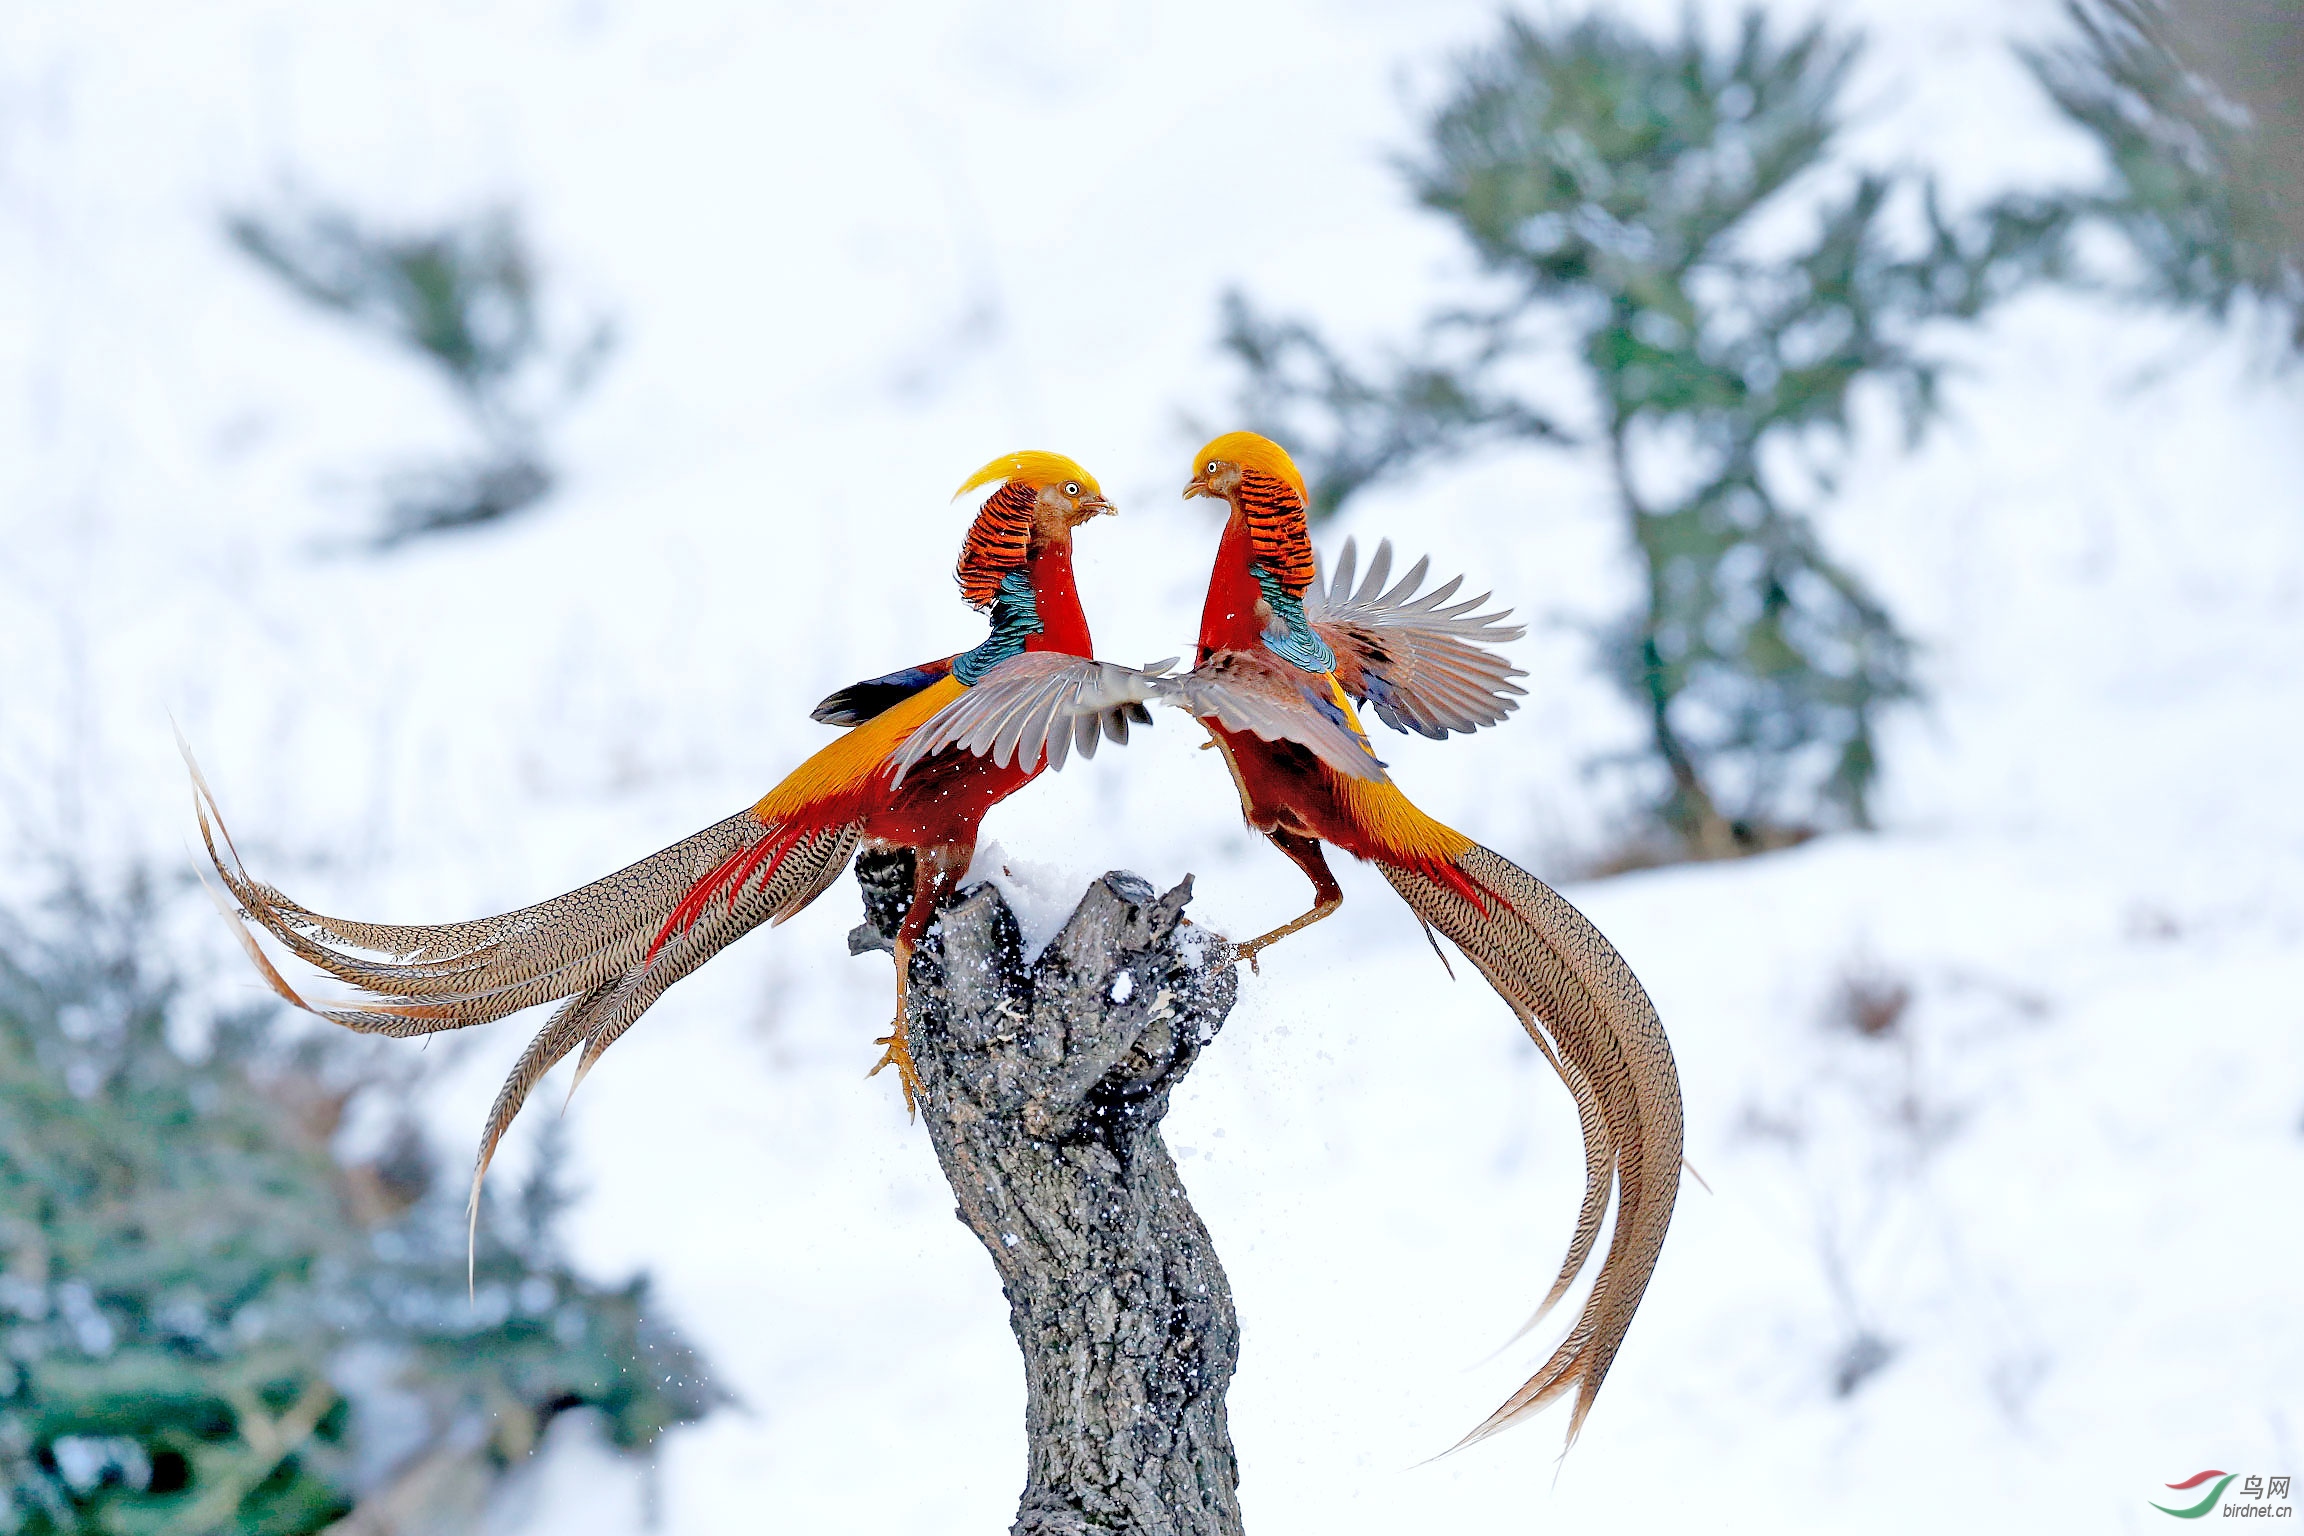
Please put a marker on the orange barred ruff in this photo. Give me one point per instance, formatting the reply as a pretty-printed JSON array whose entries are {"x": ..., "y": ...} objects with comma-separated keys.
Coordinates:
[
  {"x": 1277, "y": 530},
  {"x": 997, "y": 543}
]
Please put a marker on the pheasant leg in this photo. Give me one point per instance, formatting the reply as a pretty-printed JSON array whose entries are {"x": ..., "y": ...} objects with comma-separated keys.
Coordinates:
[
  {"x": 1327, "y": 895},
  {"x": 935, "y": 872},
  {"x": 898, "y": 1054}
]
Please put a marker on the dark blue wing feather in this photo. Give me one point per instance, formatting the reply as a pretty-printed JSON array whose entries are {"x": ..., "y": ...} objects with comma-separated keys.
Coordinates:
[{"x": 859, "y": 702}]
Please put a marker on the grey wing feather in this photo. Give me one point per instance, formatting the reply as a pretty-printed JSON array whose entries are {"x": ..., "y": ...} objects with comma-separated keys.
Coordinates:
[
  {"x": 607, "y": 948},
  {"x": 1242, "y": 691},
  {"x": 1422, "y": 661},
  {"x": 1039, "y": 702},
  {"x": 1043, "y": 701}
]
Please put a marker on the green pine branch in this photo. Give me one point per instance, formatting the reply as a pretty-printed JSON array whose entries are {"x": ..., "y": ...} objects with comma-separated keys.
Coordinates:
[{"x": 209, "y": 1322}]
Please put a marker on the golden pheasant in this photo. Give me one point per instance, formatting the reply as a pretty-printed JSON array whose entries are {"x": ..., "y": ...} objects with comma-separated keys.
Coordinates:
[
  {"x": 1282, "y": 660},
  {"x": 612, "y": 947}
]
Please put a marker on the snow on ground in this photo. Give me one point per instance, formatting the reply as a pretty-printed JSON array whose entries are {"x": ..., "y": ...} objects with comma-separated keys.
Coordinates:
[{"x": 2043, "y": 1231}]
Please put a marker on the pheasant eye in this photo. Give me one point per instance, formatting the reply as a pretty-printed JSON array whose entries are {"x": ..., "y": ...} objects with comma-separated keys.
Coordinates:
[
  {"x": 1211, "y": 466},
  {"x": 1071, "y": 487}
]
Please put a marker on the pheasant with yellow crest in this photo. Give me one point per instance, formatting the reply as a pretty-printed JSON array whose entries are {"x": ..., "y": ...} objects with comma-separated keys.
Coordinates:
[
  {"x": 608, "y": 950},
  {"x": 1283, "y": 662}
]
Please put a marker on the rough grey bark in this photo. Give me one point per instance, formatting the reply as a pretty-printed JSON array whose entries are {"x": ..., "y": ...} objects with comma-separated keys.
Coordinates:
[{"x": 1043, "y": 1090}]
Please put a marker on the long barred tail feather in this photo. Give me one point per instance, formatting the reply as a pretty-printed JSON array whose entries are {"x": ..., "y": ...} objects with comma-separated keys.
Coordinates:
[
  {"x": 476, "y": 972},
  {"x": 1594, "y": 1022},
  {"x": 1599, "y": 1179},
  {"x": 808, "y": 867},
  {"x": 609, "y": 948},
  {"x": 560, "y": 1035},
  {"x": 597, "y": 1018},
  {"x": 450, "y": 975},
  {"x": 726, "y": 880}
]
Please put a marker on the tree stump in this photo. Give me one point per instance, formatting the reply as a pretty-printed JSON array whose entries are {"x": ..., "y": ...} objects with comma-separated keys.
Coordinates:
[{"x": 1043, "y": 1090}]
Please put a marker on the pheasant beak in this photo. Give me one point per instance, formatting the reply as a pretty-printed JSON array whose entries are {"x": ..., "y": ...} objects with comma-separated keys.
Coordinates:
[
  {"x": 1097, "y": 506},
  {"x": 1197, "y": 486}
]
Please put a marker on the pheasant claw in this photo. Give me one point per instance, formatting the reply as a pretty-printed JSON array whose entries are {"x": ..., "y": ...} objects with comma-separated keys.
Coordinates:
[{"x": 899, "y": 1056}]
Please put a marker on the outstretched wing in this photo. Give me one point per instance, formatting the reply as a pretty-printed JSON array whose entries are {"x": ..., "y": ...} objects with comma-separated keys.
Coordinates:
[
  {"x": 1422, "y": 661},
  {"x": 1039, "y": 701},
  {"x": 1254, "y": 692},
  {"x": 1043, "y": 701}
]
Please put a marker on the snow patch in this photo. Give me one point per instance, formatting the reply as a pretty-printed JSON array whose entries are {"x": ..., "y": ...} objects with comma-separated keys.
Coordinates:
[{"x": 1041, "y": 895}]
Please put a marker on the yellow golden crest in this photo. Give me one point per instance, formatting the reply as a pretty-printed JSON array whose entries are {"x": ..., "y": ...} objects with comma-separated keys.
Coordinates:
[
  {"x": 1033, "y": 468},
  {"x": 1253, "y": 451}
]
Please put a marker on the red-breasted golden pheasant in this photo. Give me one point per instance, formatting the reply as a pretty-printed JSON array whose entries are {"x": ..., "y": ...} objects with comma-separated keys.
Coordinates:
[
  {"x": 1281, "y": 661},
  {"x": 612, "y": 948}
]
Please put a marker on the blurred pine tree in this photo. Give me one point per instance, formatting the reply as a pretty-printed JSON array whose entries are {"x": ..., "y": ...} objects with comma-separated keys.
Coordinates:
[
  {"x": 2199, "y": 109},
  {"x": 208, "y": 1323},
  {"x": 1618, "y": 185},
  {"x": 463, "y": 298}
]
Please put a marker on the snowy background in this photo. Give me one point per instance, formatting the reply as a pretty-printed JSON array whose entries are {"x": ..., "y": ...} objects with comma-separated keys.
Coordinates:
[{"x": 851, "y": 256}]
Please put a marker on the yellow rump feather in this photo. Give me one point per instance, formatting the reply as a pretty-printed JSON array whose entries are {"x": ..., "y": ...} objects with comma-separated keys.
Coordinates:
[{"x": 845, "y": 765}]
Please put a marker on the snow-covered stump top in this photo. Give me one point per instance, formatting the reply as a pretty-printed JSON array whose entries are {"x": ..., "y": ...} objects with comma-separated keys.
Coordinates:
[{"x": 1044, "y": 1084}]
